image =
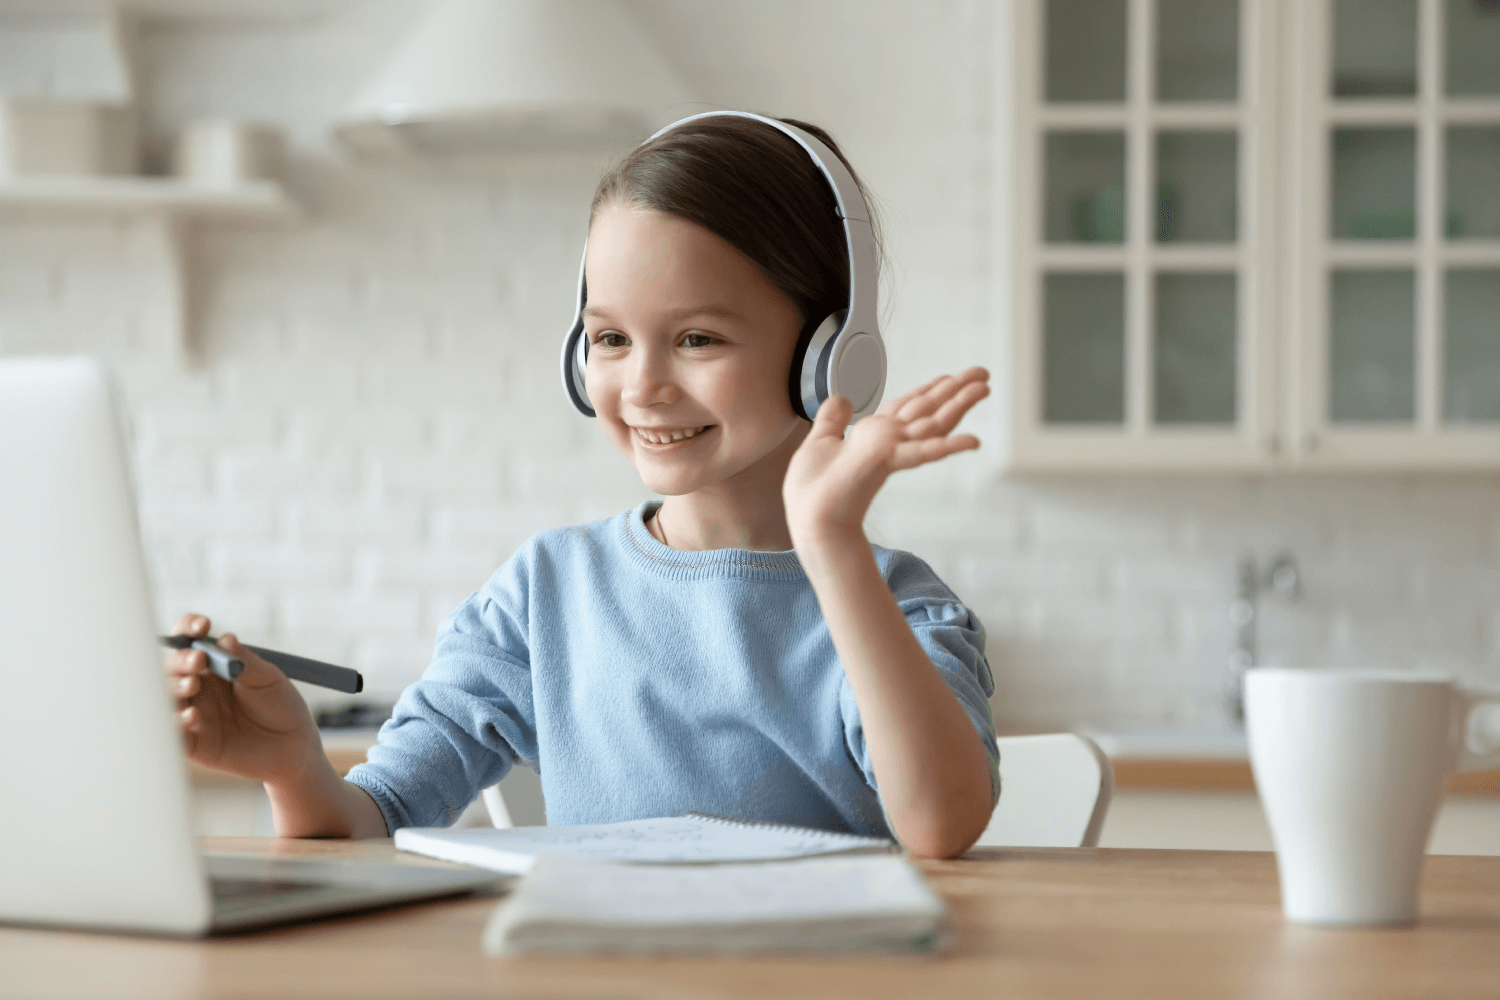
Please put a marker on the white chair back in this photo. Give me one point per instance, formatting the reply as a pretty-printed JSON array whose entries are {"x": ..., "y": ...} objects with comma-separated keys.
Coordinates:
[
  {"x": 516, "y": 801},
  {"x": 494, "y": 804},
  {"x": 1054, "y": 792}
]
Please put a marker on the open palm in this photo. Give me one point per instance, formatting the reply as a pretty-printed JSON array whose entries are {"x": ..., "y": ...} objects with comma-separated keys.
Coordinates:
[{"x": 833, "y": 478}]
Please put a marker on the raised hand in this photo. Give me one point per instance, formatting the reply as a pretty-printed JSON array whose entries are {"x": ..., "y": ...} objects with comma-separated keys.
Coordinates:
[
  {"x": 257, "y": 726},
  {"x": 833, "y": 478}
]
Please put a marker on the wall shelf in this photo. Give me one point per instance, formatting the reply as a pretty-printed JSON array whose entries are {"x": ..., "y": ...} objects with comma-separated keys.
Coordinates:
[
  {"x": 130, "y": 195},
  {"x": 168, "y": 209}
]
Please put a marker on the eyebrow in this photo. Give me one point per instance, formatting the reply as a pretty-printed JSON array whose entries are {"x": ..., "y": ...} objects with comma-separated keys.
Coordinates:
[{"x": 675, "y": 315}]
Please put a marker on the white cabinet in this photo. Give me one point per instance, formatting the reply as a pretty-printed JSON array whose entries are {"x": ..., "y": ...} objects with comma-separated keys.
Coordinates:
[{"x": 1255, "y": 234}]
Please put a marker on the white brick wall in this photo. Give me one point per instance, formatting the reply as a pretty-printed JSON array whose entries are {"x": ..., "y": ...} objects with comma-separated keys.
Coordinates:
[{"x": 371, "y": 421}]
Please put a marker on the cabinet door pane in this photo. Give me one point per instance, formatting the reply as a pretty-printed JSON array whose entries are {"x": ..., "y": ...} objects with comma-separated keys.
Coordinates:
[
  {"x": 1374, "y": 180},
  {"x": 1372, "y": 350},
  {"x": 1198, "y": 50},
  {"x": 1085, "y": 187},
  {"x": 1474, "y": 180},
  {"x": 1085, "y": 50},
  {"x": 1196, "y": 180},
  {"x": 1195, "y": 349},
  {"x": 1083, "y": 352},
  {"x": 1471, "y": 346},
  {"x": 1374, "y": 48},
  {"x": 1473, "y": 37}
]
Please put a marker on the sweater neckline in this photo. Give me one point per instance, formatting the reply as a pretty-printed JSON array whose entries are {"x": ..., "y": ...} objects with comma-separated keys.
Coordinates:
[{"x": 651, "y": 555}]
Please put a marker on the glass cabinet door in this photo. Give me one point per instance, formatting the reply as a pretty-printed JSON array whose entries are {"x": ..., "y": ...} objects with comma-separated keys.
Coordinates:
[
  {"x": 1373, "y": 191},
  {"x": 1141, "y": 149},
  {"x": 1471, "y": 36},
  {"x": 1253, "y": 234},
  {"x": 1194, "y": 358},
  {"x": 1374, "y": 51},
  {"x": 1371, "y": 347},
  {"x": 1083, "y": 349},
  {"x": 1471, "y": 346},
  {"x": 1085, "y": 198},
  {"x": 1197, "y": 51},
  {"x": 1197, "y": 186},
  {"x": 1085, "y": 50},
  {"x": 1401, "y": 342},
  {"x": 1470, "y": 356}
]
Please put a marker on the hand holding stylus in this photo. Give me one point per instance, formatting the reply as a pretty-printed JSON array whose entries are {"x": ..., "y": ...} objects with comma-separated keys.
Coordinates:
[{"x": 257, "y": 725}]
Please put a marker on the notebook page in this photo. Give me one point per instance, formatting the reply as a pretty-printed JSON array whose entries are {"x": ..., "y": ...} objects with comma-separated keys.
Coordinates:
[{"x": 666, "y": 840}]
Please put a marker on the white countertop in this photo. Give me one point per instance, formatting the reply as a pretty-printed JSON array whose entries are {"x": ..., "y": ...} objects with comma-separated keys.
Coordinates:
[
  {"x": 1187, "y": 742},
  {"x": 348, "y": 739}
]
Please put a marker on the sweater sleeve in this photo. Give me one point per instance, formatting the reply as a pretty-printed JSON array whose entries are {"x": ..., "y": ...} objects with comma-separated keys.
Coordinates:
[
  {"x": 954, "y": 641},
  {"x": 459, "y": 729}
]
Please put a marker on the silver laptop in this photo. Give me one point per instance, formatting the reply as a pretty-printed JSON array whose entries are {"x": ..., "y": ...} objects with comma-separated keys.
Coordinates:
[{"x": 96, "y": 829}]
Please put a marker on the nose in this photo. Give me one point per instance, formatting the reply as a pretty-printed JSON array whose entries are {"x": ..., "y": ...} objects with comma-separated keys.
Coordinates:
[{"x": 649, "y": 378}]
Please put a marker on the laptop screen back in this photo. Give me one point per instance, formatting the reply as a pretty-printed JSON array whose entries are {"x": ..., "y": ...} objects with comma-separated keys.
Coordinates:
[{"x": 97, "y": 829}]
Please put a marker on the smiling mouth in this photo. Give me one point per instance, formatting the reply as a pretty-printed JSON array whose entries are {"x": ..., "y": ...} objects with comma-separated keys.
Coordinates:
[{"x": 668, "y": 435}]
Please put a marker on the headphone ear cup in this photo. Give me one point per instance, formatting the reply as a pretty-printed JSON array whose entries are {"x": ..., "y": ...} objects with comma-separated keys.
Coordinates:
[
  {"x": 857, "y": 361},
  {"x": 575, "y": 366},
  {"x": 809, "y": 375}
]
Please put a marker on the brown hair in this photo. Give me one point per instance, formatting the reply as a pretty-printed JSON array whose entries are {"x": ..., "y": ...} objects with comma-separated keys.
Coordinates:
[{"x": 758, "y": 190}]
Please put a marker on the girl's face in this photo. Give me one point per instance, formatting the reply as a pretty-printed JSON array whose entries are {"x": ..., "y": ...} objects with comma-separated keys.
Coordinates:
[{"x": 689, "y": 349}]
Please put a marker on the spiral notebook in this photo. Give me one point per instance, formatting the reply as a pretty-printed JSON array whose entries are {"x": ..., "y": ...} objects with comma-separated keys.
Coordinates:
[
  {"x": 837, "y": 904},
  {"x": 692, "y": 839}
]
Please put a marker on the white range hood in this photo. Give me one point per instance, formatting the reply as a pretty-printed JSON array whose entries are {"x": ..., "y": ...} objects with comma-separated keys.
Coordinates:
[{"x": 516, "y": 77}]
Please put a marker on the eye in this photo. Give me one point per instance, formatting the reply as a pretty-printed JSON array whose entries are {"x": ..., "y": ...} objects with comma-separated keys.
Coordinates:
[
  {"x": 696, "y": 339},
  {"x": 610, "y": 338}
]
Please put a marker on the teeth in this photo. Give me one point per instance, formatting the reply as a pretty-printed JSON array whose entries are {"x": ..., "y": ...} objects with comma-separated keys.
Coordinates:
[{"x": 669, "y": 436}]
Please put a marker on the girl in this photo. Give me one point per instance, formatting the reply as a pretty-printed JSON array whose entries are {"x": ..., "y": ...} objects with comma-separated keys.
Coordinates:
[{"x": 739, "y": 648}]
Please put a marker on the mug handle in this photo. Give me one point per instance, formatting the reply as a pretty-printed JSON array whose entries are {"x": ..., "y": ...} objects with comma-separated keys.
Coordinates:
[{"x": 1479, "y": 749}]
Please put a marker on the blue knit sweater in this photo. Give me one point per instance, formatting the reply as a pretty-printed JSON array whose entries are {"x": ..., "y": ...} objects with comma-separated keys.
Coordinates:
[{"x": 640, "y": 680}]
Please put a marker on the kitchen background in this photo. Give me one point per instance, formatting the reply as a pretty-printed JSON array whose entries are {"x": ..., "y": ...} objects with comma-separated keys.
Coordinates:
[{"x": 360, "y": 417}]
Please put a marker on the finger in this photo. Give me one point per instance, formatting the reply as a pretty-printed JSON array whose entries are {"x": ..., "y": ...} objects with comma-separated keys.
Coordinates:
[
  {"x": 926, "y": 399},
  {"x": 189, "y": 736},
  {"x": 191, "y": 624},
  {"x": 910, "y": 454},
  {"x": 833, "y": 418},
  {"x": 940, "y": 390},
  {"x": 190, "y": 720},
  {"x": 187, "y": 688},
  {"x": 186, "y": 662},
  {"x": 258, "y": 673},
  {"x": 949, "y": 414},
  {"x": 895, "y": 405}
]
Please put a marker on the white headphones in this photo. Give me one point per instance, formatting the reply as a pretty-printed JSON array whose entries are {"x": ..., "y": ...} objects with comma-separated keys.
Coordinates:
[{"x": 841, "y": 355}]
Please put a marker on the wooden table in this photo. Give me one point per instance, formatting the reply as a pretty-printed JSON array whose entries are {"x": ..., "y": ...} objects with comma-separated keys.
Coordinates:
[{"x": 1029, "y": 922}]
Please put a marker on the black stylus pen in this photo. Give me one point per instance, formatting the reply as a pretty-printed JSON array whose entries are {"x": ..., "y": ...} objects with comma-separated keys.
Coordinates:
[{"x": 298, "y": 668}]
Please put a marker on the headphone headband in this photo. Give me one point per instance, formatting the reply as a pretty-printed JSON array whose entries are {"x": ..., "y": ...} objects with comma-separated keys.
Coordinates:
[
  {"x": 851, "y": 204},
  {"x": 841, "y": 355}
]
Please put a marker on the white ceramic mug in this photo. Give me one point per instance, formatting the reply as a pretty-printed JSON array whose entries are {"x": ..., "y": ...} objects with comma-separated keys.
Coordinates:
[{"x": 1350, "y": 767}]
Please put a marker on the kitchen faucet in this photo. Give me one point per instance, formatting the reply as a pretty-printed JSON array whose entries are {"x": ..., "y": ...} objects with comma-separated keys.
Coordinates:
[{"x": 1281, "y": 577}]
